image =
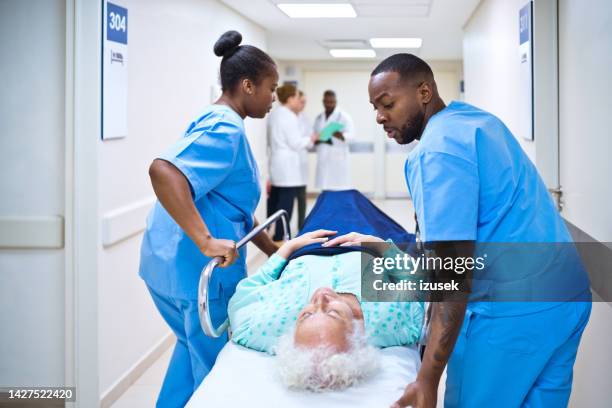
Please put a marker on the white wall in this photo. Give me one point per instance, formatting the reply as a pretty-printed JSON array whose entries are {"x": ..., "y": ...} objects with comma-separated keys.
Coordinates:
[
  {"x": 379, "y": 172},
  {"x": 171, "y": 71},
  {"x": 490, "y": 53},
  {"x": 585, "y": 89},
  {"x": 32, "y": 45},
  {"x": 490, "y": 49},
  {"x": 585, "y": 57}
]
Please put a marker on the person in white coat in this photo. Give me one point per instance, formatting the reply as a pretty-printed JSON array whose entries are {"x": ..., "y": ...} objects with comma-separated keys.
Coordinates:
[
  {"x": 286, "y": 145},
  {"x": 333, "y": 166}
]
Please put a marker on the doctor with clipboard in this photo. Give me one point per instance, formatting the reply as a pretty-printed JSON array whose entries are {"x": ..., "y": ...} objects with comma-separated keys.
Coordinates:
[{"x": 335, "y": 128}]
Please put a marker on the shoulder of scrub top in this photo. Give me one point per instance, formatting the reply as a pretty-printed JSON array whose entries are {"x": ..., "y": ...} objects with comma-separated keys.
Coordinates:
[
  {"x": 213, "y": 116},
  {"x": 208, "y": 152},
  {"x": 449, "y": 135}
]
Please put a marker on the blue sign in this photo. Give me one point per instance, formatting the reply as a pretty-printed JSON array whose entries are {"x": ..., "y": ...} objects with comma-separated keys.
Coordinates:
[
  {"x": 525, "y": 23},
  {"x": 116, "y": 23}
]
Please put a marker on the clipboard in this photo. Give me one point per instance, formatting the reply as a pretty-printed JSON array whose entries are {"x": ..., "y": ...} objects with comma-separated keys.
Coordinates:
[{"x": 329, "y": 130}]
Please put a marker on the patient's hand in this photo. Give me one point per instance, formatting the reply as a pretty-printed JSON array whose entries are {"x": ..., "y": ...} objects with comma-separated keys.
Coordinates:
[
  {"x": 352, "y": 239},
  {"x": 318, "y": 236}
]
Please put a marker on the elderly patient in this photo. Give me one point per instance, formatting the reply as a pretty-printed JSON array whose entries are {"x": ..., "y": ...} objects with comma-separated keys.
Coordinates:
[{"x": 312, "y": 317}]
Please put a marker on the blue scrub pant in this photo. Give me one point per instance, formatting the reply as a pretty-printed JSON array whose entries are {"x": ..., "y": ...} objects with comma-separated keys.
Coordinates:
[
  {"x": 194, "y": 353},
  {"x": 516, "y": 361}
]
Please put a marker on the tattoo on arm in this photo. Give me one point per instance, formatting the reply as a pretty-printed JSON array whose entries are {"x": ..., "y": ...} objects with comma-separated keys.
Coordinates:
[
  {"x": 450, "y": 318},
  {"x": 447, "y": 313}
]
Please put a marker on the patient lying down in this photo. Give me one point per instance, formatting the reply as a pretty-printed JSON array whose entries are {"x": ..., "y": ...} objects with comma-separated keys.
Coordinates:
[{"x": 312, "y": 317}]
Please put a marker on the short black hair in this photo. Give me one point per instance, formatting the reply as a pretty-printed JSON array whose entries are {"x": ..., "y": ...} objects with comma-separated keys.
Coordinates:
[
  {"x": 409, "y": 66},
  {"x": 241, "y": 61},
  {"x": 329, "y": 92}
]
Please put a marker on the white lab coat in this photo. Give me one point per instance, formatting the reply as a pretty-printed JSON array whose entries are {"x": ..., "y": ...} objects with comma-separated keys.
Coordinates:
[
  {"x": 307, "y": 130},
  {"x": 333, "y": 166},
  {"x": 285, "y": 147}
]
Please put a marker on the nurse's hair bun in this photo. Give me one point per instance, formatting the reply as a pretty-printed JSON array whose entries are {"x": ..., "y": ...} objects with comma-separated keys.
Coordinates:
[{"x": 227, "y": 43}]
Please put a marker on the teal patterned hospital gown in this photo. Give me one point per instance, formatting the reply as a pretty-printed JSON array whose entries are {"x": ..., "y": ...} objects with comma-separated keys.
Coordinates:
[{"x": 265, "y": 306}]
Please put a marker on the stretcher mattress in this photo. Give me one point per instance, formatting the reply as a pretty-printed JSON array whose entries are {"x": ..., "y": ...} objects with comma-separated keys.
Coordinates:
[{"x": 246, "y": 378}]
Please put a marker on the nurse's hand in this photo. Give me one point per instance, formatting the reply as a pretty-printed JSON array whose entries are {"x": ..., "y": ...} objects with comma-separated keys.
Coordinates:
[
  {"x": 352, "y": 239},
  {"x": 419, "y": 394},
  {"x": 318, "y": 236},
  {"x": 224, "y": 248}
]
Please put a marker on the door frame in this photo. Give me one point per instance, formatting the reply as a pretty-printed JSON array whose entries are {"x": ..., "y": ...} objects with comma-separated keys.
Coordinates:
[
  {"x": 546, "y": 94},
  {"x": 82, "y": 135}
]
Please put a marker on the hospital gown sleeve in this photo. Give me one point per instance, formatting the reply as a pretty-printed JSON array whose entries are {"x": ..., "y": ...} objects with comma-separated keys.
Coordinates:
[
  {"x": 247, "y": 293},
  {"x": 445, "y": 191},
  {"x": 206, "y": 157}
]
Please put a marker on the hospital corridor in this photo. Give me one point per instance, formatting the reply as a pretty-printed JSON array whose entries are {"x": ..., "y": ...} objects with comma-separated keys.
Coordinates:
[{"x": 305, "y": 203}]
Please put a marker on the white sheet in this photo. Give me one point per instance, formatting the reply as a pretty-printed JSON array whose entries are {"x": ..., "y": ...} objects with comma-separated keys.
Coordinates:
[{"x": 247, "y": 378}]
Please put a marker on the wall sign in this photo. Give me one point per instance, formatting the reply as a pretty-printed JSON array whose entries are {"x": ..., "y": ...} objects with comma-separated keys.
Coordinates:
[
  {"x": 114, "y": 71},
  {"x": 526, "y": 71}
]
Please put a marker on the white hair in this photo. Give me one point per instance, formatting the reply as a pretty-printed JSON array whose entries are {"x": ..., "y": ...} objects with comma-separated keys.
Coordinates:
[{"x": 322, "y": 368}]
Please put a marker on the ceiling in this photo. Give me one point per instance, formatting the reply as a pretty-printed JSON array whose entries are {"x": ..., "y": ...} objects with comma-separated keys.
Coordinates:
[{"x": 438, "y": 22}]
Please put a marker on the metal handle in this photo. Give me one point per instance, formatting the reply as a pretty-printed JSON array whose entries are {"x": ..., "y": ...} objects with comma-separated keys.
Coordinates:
[
  {"x": 203, "y": 309},
  {"x": 557, "y": 194}
]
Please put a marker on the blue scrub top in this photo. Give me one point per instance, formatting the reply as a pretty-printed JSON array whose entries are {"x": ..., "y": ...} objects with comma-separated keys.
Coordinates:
[
  {"x": 215, "y": 157},
  {"x": 470, "y": 180}
]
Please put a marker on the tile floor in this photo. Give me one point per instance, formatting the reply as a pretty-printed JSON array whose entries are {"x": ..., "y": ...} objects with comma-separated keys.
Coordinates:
[{"x": 143, "y": 393}]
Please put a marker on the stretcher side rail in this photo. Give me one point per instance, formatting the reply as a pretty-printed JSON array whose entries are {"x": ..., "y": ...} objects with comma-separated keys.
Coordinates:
[{"x": 206, "y": 274}]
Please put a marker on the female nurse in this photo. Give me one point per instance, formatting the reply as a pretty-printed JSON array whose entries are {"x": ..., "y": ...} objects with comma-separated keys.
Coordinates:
[{"x": 207, "y": 185}]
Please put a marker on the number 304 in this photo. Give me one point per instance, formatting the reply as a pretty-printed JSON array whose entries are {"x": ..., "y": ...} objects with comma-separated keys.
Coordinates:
[{"x": 117, "y": 22}]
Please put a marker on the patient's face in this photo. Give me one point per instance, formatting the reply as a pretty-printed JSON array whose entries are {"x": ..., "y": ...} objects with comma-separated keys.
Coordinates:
[{"x": 327, "y": 320}]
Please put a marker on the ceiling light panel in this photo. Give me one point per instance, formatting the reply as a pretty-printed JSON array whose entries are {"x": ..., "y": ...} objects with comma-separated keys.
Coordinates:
[
  {"x": 393, "y": 11},
  {"x": 352, "y": 53},
  {"x": 393, "y": 2},
  {"x": 318, "y": 10},
  {"x": 343, "y": 44},
  {"x": 396, "y": 42}
]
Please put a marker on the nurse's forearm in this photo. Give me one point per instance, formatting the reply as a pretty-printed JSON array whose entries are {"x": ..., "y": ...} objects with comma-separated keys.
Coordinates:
[
  {"x": 448, "y": 313},
  {"x": 173, "y": 191},
  {"x": 446, "y": 321}
]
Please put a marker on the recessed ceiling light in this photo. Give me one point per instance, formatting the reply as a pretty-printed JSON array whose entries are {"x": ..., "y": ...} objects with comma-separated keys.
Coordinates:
[
  {"x": 396, "y": 42},
  {"x": 352, "y": 53},
  {"x": 318, "y": 10}
]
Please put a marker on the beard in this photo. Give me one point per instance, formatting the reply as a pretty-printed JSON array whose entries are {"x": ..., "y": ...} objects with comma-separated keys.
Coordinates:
[{"x": 412, "y": 130}]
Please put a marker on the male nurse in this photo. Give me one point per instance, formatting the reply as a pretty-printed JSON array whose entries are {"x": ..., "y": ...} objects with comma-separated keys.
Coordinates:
[{"x": 471, "y": 184}]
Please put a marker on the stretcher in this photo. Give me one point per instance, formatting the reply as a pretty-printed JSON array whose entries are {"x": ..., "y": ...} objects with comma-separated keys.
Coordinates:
[{"x": 244, "y": 377}]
